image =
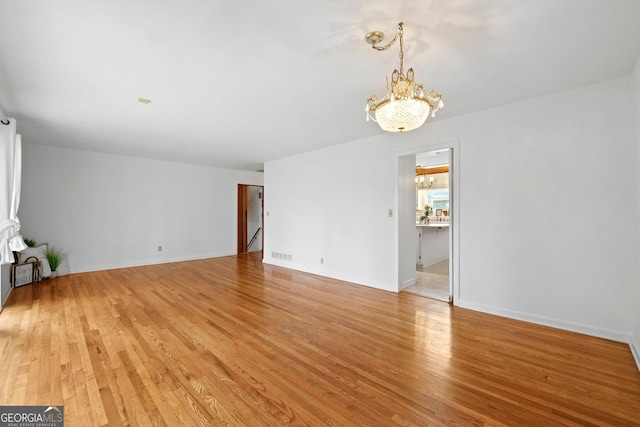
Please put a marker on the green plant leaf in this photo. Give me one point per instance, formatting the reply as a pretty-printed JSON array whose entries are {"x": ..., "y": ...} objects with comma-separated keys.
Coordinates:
[{"x": 55, "y": 257}]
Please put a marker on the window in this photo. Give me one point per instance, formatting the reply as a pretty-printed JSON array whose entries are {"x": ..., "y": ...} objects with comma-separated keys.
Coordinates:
[{"x": 438, "y": 199}]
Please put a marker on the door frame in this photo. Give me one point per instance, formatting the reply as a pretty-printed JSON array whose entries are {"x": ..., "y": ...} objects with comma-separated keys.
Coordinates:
[
  {"x": 454, "y": 214},
  {"x": 243, "y": 238}
]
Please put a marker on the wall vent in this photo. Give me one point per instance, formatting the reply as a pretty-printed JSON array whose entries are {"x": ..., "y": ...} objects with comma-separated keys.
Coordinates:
[{"x": 279, "y": 255}]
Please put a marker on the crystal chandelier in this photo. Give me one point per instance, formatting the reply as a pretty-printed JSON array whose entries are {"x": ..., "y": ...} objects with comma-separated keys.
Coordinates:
[{"x": 406, "y": 105}]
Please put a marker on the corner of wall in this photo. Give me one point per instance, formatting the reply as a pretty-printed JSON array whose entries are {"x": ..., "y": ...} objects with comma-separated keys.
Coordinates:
[{"x": 634, "y": 344}]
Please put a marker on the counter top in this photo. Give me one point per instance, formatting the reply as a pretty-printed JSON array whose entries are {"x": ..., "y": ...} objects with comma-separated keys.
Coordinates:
[{"x": 434, "y": 224}]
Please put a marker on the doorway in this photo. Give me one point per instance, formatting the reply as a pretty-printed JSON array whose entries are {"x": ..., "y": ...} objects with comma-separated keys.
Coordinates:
[
  {"x": 432, "y": 207},
  {"x": 428, "y": 238},
  {"x": 250, "y": 218}
]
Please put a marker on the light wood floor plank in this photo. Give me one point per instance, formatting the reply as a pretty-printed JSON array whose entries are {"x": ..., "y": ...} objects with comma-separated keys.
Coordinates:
[{"x": 230, "y": 341}]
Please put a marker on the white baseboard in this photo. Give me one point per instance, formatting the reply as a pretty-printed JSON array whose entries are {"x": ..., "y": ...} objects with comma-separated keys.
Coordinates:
[
  {"x": 424, "y": 264},
  {"x": 325, "y": 272},
  {"x": 546, "y": 321}
]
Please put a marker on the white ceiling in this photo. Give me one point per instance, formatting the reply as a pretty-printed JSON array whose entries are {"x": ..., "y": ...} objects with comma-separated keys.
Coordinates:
[
  {"x": 432, "y": 158},
  {"x": 237, "y": 83}
]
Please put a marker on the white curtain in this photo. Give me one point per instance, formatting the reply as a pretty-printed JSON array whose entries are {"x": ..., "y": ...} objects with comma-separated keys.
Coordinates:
[{"x": 10, "y": 176}]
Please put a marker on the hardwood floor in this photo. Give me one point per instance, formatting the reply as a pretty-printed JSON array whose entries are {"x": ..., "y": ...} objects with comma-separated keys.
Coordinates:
[{"x": 228, "y": 341}]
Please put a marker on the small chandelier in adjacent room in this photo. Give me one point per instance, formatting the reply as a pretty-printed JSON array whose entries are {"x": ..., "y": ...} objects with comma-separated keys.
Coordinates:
[
  {"x": 406, "y": 105},
  {"x": 423, "y": 182}
]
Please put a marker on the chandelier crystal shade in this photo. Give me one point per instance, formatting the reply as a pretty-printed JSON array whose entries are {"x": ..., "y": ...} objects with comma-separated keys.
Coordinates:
[{"x": 406, "y": 105}]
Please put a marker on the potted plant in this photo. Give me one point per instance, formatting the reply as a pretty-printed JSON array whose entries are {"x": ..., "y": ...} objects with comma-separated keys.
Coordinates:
[
  {"x": 428, "y": 210},
  {"x": 55, "y": 257}
]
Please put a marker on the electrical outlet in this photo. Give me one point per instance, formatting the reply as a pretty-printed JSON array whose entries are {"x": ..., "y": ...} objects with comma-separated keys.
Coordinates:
[
  {"x": 390, "y": 213},
  {"x": 322, "y": 260},
  {"x": 159, "y": 248}
]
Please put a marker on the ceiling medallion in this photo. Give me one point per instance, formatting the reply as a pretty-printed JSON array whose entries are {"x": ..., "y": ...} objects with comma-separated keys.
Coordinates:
[{"x": 406, "y": 105}]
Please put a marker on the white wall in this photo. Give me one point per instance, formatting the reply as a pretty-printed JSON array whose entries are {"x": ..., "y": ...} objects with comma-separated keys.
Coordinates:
[
  {"x": 111, "y": 211},
  {"x": 328, "y": 204},
  {"x": 635, "y": 339},
  {"x": 531, "y": 245}
]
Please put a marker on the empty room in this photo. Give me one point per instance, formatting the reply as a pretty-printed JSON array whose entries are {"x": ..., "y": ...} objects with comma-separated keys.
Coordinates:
[{"x": 338, "y": 213}]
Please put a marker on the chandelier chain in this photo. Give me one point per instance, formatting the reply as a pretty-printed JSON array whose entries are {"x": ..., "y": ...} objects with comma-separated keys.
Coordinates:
[
  {"x": 391, "y": 42},
  {"x": 401, "y": 49},
  {"x": 399, "y": 36}
]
